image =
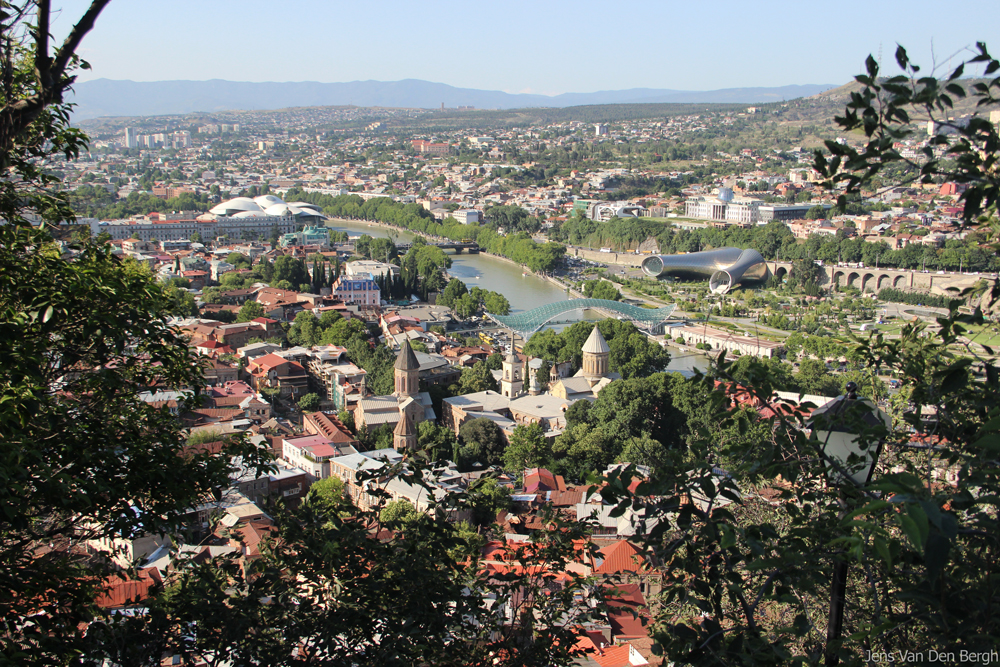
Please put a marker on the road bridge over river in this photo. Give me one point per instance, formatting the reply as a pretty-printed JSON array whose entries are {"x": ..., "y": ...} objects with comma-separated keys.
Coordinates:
[{"x": 471, "y": 247}]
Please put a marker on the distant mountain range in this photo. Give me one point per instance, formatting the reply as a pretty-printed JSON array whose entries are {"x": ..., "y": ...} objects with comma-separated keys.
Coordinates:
[{"x": 106, "y": 97}]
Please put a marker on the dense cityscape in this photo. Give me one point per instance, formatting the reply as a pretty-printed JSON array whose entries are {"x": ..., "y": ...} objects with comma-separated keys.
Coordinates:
[{"x": 639, "y": 384}]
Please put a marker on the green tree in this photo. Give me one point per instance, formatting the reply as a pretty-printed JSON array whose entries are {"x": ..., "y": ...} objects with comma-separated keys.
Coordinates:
[
  {"x": 398, "y": 513},
  {"x": 437, "y": 441},
  {"x": 309, "y": 402},
  {"x": 329, "y": 491},
  {"x": 634, "y": 355},
  {"x": 287, "y": 268},
  {"x": 382, "y": 250},
  {"x": 496, "y": 303},
  {"x": 343, "y": 331},
  {"x": 466, "y": 306},
  {"x": 484, "y": 440},
  {"x": 528, "y": 448},
  {"x": 238, "y": 260},
  {"x": 488, "y": 498},
  {"x": 305, "y": 330},
  {"x": 451, "y": 292},
  {"x": 813, "y": 377},
  {"x": 917, "y": 554},
  {"x": 601, "y": 289},
  {"x": 542, "y": 375},
  {"x": 250, "y": 310},
  {"x": 476, "y": 378},
  {"x": 182, "y": 302},
  {"x": 85, "y": 457},
  {"x": 363, "y": 244}
]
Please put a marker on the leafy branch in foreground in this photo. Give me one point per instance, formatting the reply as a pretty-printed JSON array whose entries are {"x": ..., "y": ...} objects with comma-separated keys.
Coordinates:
[
  {"x": 964, "y": 151},
  {"x": 751, "y": 550}
]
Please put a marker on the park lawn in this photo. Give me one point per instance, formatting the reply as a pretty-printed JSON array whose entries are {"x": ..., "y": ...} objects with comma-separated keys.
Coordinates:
[
  {"x": 988, "y": 335},
  {"x": 892, "y": 328}
]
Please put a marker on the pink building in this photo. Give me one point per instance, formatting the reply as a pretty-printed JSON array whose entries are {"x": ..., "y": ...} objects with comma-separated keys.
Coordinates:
[{"x": 357, "y": 291}]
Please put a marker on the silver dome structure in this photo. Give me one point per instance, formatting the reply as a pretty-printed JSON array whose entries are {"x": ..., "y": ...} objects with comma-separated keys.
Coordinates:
[
  {"x": 267, "y": 205},
  {"x": 234, "y": 206},
  {"x": 725, "y": 268}
]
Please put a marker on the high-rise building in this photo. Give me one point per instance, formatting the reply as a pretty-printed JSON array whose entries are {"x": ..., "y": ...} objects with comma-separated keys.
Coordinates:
[{"x": 131, "y": 137}]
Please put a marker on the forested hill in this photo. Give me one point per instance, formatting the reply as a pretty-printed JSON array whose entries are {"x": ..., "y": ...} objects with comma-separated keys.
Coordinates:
[{"x": 105, "y": 97}]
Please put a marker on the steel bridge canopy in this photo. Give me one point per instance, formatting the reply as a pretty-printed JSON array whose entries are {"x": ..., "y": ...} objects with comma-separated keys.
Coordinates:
[{"x": 531, "y": 321}]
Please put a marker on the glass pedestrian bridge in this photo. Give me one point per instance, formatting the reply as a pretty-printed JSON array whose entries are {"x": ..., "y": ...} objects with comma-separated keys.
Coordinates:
[{"x": 530, "y": 321}]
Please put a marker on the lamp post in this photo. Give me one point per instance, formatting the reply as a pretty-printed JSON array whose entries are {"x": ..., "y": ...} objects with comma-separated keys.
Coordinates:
[{"x": 840, "y": 427}]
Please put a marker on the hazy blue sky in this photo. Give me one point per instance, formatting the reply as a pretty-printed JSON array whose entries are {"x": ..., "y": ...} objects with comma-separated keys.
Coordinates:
[{"x": 546, "y": 47}]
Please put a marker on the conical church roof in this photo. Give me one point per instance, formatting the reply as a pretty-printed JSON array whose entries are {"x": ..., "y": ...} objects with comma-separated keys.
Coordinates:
[
  {"x": 405, "y": 426},
  {"x": 596, "y": 343},
  {"x": 407, "y": 361}
]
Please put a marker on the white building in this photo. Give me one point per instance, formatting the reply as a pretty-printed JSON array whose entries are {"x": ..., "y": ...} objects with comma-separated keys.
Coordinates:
[
  {"x": 467, "y": 216},
  {"x": 174, "y": 230}
]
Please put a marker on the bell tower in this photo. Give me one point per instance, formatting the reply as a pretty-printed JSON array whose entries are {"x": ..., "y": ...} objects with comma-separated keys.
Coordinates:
[
  {"x": 512, "y": 382},
  {"x": 407, "y": 371}
]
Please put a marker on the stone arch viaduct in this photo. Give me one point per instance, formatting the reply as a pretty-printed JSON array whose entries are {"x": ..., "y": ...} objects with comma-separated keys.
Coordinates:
[
  {"x": 866, "y": 280},
  {"x": 872, "y": 280}
]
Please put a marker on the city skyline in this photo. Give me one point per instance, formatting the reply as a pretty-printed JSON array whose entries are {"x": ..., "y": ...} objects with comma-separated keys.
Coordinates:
[{"x": 545, "y": 49}]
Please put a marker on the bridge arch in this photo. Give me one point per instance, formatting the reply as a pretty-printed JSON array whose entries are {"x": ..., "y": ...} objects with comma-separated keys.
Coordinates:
[
  {"x": 530, "y": 321},
  {"x": 780, "y": 272},
  {"x": 884, "y": 280},
  {"x": 899, "y": 281},
  {"x": 854, "y": 279},
  {"x": 837, "y": 277},
  {"x": 868, "y": 282}
]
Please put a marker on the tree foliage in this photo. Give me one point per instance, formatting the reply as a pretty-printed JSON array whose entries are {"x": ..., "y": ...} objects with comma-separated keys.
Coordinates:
[
  {"x": 752, "y": 552},
  {"x": 85, "y": 458}
]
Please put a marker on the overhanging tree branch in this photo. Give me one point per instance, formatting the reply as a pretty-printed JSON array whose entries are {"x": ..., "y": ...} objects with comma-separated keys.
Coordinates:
[{"x": 51, "y": 79}]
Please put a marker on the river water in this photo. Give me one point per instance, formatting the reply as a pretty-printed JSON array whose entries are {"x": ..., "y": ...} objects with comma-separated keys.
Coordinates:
[{"x": 524, "y": 292}]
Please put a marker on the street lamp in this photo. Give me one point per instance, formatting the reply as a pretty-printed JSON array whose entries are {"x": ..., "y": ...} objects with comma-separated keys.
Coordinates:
[
  {"x": 844, "y": 427},
  {"x": 840, "y": 427}
]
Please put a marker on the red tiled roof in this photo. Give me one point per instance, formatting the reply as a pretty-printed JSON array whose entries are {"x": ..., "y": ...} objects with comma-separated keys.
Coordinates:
[
  {"x": 540, "y": 479},
  {"x": 250, "y": 535},
  {"x": 216, "y": 413},
  {"x": 123, "y": 592},
  {"x": 567, "y": 498},
  {"x": 323, "y": 450},
  {"x": 205, "y": 447},
  {"x": 331, "y": 428},
  {"x": 627, "y": 611},
  {"x": 621, "y": 556},
  {"x": 269, "y": 361},
  {"x": 612, "y": 656}
]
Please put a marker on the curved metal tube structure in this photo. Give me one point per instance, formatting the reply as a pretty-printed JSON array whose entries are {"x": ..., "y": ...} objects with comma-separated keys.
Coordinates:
[{"x": 724, "y": 267}]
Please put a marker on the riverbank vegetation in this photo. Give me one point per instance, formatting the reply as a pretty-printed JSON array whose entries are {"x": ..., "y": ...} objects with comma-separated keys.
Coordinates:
[{"x": 513, "y": 241}]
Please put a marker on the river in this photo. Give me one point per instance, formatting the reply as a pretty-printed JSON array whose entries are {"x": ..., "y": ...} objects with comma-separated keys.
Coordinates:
[{"x": 524, "y": 292}]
